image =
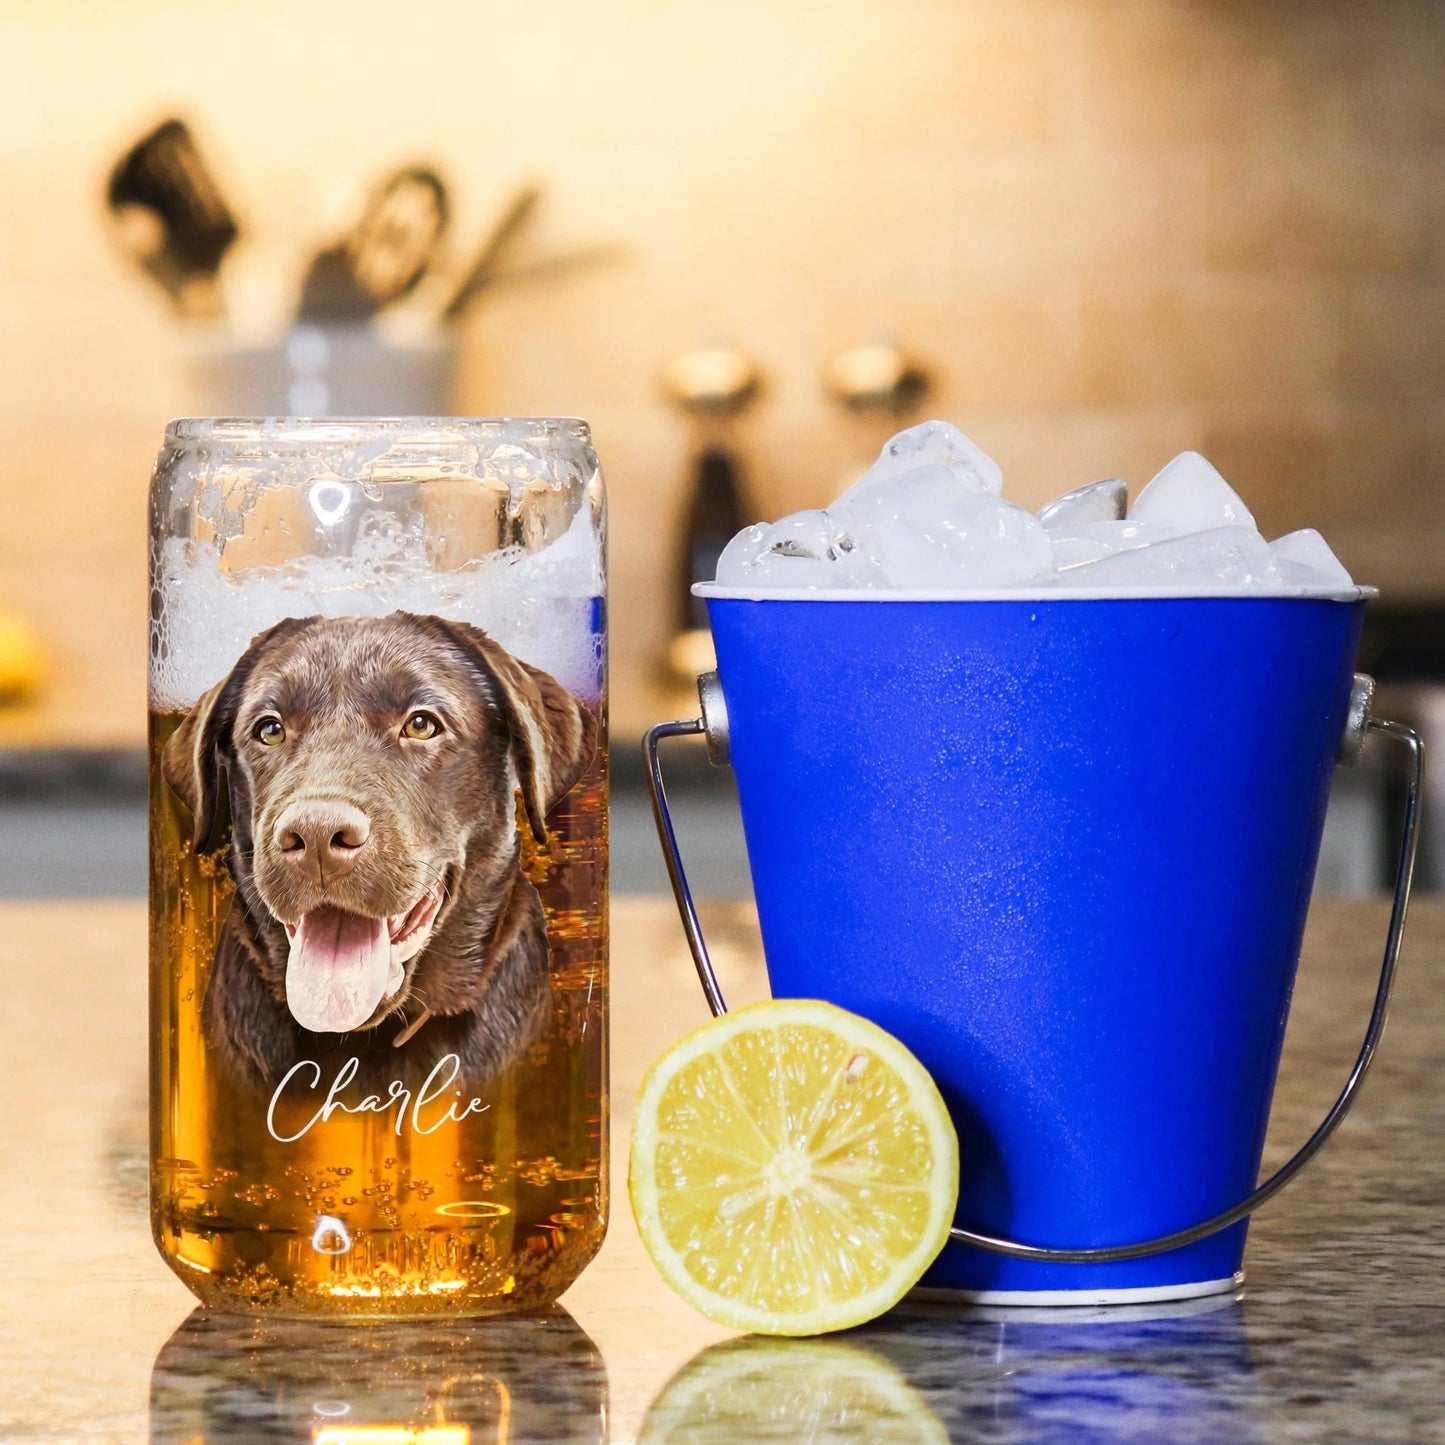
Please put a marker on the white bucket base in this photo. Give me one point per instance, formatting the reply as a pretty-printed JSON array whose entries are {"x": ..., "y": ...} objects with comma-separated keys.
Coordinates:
[{"x": 1150, "y": 1294}]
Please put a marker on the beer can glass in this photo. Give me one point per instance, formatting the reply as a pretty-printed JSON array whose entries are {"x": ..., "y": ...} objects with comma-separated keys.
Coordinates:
[{"x": 378, "y": 806}]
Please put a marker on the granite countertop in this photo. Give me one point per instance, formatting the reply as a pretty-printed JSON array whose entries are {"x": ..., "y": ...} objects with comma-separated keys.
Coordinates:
[{"x": 1339, "y": 1333}]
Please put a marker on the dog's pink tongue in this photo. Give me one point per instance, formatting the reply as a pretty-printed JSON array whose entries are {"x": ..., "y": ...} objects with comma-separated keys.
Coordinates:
[{"x": 337, "y": 970}]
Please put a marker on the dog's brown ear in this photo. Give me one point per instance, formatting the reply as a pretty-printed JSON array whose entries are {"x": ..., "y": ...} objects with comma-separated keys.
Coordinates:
[
  {"x": 554, "y": 737},
  {"x": 191, "y": 764},
  {"x": 191, "y": 759}
]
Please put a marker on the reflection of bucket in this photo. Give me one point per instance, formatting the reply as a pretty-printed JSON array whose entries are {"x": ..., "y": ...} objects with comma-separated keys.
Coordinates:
[
  {"x": 1137, "y": 1372},
  {"x": 1063, "y": 849}
]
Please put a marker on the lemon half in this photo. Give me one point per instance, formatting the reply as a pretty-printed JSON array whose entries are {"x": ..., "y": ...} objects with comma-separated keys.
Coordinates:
[{"x": 794, "y": 1169}]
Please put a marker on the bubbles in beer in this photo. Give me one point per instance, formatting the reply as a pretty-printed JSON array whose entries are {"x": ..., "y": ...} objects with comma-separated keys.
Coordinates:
[{"x": 330, "y": 1236}]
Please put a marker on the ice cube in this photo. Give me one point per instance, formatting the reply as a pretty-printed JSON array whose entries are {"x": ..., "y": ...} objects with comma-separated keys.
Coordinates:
[
  {"x": 783, "y": 570},
  {"x": 920, "y": 493},
  {"x": 1189, "y": 496},
  {"x": 802, "y": 550},
  {"x": 925, "y": 531},
  {"x": 1094, "y": 541},
  {"x": 931, "y": 444},
  {"x": 741, "y": 553},
  {"x": 1233, "y": 557},
  {"x": 1098, "y": 502},
  {"x": 805, "y": 534},
  {"x": 928, "y": 516},
  {"x": 1304, "y": 559},
  {"x": 1071, "y": 552},
  {"x": 778, "y": 569}
]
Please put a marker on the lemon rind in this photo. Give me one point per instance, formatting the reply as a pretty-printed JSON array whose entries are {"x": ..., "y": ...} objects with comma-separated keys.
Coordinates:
[{"x": 942, "y": 1191}]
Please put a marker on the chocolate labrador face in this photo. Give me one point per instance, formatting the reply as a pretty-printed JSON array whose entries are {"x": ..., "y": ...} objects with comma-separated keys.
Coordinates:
[{"x": 373, "y": 767}]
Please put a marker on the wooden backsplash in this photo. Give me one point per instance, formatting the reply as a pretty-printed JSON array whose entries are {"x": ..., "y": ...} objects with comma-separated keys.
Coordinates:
[{"x": 1116, "y": 228}]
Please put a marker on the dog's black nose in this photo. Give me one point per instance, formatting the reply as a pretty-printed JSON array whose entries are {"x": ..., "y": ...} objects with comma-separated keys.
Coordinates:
[{"x": 322, "y": 839}]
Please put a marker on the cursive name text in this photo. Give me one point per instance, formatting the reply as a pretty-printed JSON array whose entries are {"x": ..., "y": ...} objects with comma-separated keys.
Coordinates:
[{"x": 423, "y": 1110}]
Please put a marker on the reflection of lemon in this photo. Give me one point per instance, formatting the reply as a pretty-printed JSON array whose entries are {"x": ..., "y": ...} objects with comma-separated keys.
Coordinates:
[
  {"x": 794, "y": 1169},
  {"x": 22, "y": 663},
  {"x": 821, "y": 1392}
]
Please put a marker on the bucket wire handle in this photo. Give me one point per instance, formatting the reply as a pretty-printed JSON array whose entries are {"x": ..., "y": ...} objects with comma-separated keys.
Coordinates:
[{"x": 1358, "y": 723}]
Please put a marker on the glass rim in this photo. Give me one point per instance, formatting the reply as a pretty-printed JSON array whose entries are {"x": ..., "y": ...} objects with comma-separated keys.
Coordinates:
[{"x": 344, "y": 429}]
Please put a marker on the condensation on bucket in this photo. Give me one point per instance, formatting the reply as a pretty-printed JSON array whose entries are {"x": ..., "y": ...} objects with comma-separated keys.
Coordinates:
[{"x": 493, "y": 523}]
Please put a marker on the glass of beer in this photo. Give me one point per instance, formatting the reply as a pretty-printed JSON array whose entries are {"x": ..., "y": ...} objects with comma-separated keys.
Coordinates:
[{"x": 378, "y": 798}]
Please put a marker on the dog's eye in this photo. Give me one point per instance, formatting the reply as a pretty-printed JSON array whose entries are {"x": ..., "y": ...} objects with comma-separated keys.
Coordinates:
[
  {"x": 269, "y": 731},
  {"x": 420, "y": 726}
]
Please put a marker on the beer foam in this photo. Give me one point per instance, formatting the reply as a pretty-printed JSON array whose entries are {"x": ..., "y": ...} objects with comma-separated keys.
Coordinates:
[{"x": 543, "y": 606}]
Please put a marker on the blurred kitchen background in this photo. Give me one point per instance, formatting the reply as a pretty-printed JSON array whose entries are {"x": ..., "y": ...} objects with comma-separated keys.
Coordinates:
[{"x": 1092, "y": 232}]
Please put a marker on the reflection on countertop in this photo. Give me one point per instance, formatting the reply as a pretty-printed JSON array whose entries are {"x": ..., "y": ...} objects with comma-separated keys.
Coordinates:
[
  {"x": 227, "y": 1380},
  {"x": 1335, "y": 1337},
  {"x": 1180, "y": 1372}
]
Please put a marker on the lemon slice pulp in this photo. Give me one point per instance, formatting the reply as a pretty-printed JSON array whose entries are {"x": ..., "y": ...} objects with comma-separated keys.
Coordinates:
[{"x": 794, "y": 1169}]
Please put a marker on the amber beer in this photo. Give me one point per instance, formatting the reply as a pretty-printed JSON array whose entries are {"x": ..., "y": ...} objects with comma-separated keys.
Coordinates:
[
  {"x": 329, "y": 1189},
  {"x": 500, "y": 1210}
]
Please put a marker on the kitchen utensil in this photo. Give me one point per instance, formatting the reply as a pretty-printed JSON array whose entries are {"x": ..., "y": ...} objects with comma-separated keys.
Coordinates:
[
  {"x": 171, "y": 218},
  {"x": 713, "y": 385},
  {"x": 550, "y": 268},
  {"x": 499, "y": 241},
  {"x": 1063, "y": 849},
  {"x": 384, "y": 255},
  {"x": 877, "y": 377},
  {"x": 716, "y": 512},
  {"x": 712, "y": 381},
  {"x": 321, "y": 371}
]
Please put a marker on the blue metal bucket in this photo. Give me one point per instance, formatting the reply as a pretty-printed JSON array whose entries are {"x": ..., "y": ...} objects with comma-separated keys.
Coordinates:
[{"x": 1063, "y": 849}]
